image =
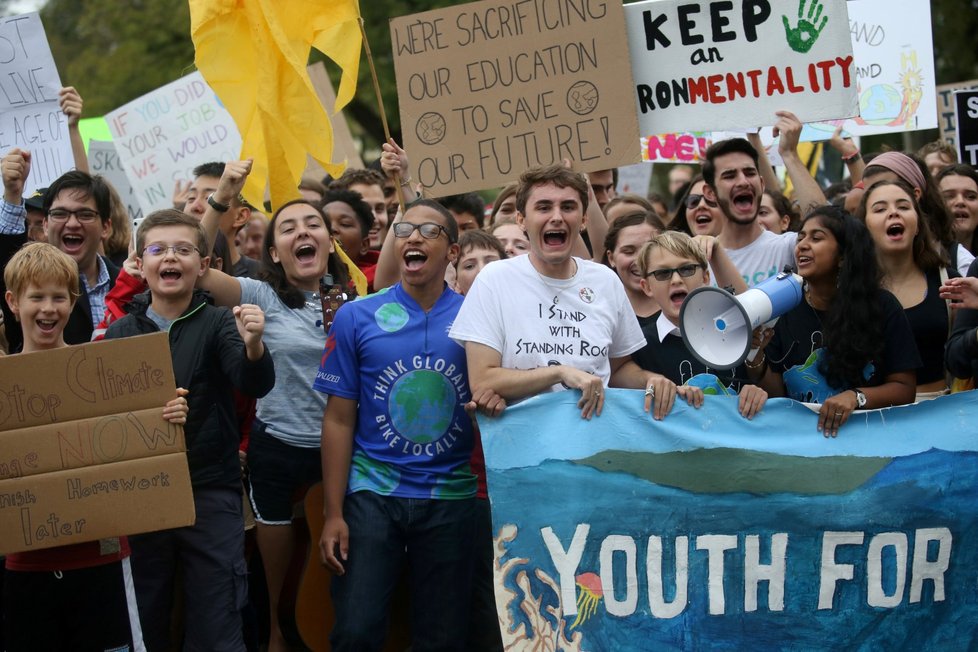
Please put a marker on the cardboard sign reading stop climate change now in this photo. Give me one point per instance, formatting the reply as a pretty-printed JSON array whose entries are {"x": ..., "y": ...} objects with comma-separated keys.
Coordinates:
[
  {"x": 84, "y": 451},
  {"x": 711, "y": 66},
  {"x": 163, "y": 135},
  {"x": 489, "y": 89},
  {"x": 30, "y": 116}
]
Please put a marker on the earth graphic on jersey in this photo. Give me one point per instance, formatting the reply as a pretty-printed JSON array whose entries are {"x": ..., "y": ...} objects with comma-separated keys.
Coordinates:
[{"x": 421, "y": 406}]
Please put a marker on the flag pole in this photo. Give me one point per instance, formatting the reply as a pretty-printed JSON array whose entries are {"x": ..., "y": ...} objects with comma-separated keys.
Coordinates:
[{"x": 380, "y": 105}]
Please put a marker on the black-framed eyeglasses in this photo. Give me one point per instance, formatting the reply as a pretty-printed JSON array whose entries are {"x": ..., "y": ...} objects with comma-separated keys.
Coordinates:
[
  {"x": 182, "y": 250},
  {"x": 693, "y": 200},
  {"x": 83, "y": 215},
  {"x": 665, "y": 274},
  {"x": 428, "y": 230}
]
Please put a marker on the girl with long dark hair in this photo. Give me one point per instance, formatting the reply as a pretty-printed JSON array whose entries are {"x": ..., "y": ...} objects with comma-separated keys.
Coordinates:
[
  {"x": 848, "y": 344},
  {"x": 911, "y": 264}
]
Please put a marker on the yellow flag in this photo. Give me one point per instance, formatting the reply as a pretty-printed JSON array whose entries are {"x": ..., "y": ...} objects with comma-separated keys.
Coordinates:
[{"x": 253, "y": 53}]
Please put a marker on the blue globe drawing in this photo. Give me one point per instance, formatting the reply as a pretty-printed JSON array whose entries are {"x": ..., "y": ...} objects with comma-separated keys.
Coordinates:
[
  {"x": 880, "y": 104},
  {"x": 422, "y": 405}
]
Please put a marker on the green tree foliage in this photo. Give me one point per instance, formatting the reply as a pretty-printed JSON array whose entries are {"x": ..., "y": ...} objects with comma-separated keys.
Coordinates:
[{"x": 113, "y": 51}]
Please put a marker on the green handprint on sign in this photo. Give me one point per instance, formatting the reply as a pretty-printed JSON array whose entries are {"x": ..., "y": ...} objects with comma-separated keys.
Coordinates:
[{"x": 803, "y": 37}]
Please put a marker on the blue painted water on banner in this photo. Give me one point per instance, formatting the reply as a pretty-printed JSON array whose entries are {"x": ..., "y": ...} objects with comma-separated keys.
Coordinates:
[{"x": 904, "y": 575}]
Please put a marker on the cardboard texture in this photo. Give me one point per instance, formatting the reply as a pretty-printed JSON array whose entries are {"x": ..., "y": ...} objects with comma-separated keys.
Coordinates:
[
  {"x": 945, "y": 107},
  {"x": 84, "y": 451},
  {"x": 712, "y": 66},
  {"x": 490, "y": 88}
]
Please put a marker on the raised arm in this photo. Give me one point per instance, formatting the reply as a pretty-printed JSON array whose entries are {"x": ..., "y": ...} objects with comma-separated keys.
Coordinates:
[
  {"x": 807, "y": 192},
  {"x": 71, "y": 106}
]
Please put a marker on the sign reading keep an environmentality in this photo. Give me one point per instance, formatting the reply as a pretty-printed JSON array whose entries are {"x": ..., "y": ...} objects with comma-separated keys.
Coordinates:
[
  {"x": 701, "y": 66},
  {"x": 966, "y": 112},
  {"x": 163, "y": 135},
  {"x": 30, "y": 116},
  {"x": 707, "y": 531},
  {"x": 489, "y": 89}
]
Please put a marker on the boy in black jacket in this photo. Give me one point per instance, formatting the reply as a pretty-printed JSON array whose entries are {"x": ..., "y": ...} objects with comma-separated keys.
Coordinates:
[{"x": 213, "y": 350}]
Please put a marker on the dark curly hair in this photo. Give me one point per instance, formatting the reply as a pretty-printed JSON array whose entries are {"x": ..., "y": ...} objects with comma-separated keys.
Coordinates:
[{"x": 852, "y": 329}]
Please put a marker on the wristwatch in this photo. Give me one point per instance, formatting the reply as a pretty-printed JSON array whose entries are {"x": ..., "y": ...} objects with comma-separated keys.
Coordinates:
[
  {"x": 860, "y": 399},
  {"x": 220, "y": 208}
]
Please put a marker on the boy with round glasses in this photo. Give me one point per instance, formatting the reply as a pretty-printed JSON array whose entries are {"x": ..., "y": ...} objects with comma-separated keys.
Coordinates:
[{"x": 213, "y": 350}]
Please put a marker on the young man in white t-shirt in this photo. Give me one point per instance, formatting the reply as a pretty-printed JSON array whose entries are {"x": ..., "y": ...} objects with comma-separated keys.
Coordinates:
[
  {"x": 734, "y": 182},
  {"x": 550, "y": 321}
]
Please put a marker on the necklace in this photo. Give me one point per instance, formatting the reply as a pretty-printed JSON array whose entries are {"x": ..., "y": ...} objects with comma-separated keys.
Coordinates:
[{"x": 547, "y": 280}]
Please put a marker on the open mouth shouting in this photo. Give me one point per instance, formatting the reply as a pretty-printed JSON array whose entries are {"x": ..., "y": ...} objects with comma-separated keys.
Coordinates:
[
  {"x": 72, "y": 243},
  {"x": 677, "y": 296},
  {"x": 414, "y": 259},
  {"x": 171, "y": 274},
  {"x": 305, "y": 253},
  {"x": 555, "y": 238},
  {"x": 744, "y": 201},
  {"x": 896, "y": 231}
]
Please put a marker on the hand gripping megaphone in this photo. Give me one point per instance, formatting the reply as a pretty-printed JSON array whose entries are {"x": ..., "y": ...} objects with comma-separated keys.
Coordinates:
[{"x": 717, "y": 326}]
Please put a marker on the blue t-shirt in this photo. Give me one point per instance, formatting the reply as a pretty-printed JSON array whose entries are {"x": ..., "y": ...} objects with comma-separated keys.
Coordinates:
[{"x": 413, "y": 437}]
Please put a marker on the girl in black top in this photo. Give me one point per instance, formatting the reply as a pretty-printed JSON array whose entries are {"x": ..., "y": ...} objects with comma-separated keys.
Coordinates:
[
  {"x": 911, "y": 262},
  {"x": 847, "y": 345}
]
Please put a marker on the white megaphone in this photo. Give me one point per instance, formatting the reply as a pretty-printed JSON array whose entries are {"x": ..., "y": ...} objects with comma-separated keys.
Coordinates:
[{"x": 717, "y": 326}]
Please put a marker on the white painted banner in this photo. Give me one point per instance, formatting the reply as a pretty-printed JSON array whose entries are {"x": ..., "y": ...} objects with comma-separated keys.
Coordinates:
[
  {"x": 30, "y": 117},
  {"x": 710, "y": 66},
  {"x": 162, "y": 136}
]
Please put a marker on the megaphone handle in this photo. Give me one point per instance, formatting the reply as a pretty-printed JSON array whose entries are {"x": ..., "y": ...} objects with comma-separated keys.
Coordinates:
[{"x": 753, "y": 352}]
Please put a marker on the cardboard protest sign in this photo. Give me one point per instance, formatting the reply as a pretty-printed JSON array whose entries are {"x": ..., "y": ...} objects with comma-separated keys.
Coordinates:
[
  {"x": 489, "y": 89},
  {"x": 730, "y": 65},
  {"x": 104, "y": 159},
  {"x": 945, "y": 107},
  {"x": 163, "y": 135},
  {"x": 30, "y": 116},
  {"x": 706, "y": 531},
  {"x": 86, "y": 453},
  {"x": 966, "y": 112}
]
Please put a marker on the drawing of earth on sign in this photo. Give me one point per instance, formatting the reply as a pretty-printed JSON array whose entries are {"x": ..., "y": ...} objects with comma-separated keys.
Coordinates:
[
  {"x": 422, "y": 405},
  {"x": 430, "y": 128},
  {"x": 582, "y": 97}
]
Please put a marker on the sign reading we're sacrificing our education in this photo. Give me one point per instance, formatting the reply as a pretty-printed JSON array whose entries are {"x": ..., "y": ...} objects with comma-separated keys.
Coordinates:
[
  {"x": 30, "y": 115},
  {"x": 489, "y": 89},
  {"x": 712, "y": 66},
  {"x": 163, "y": 135}
]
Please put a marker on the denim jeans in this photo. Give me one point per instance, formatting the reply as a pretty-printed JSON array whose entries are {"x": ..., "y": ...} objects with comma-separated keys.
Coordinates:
[{"x": 436, "y": 539}]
